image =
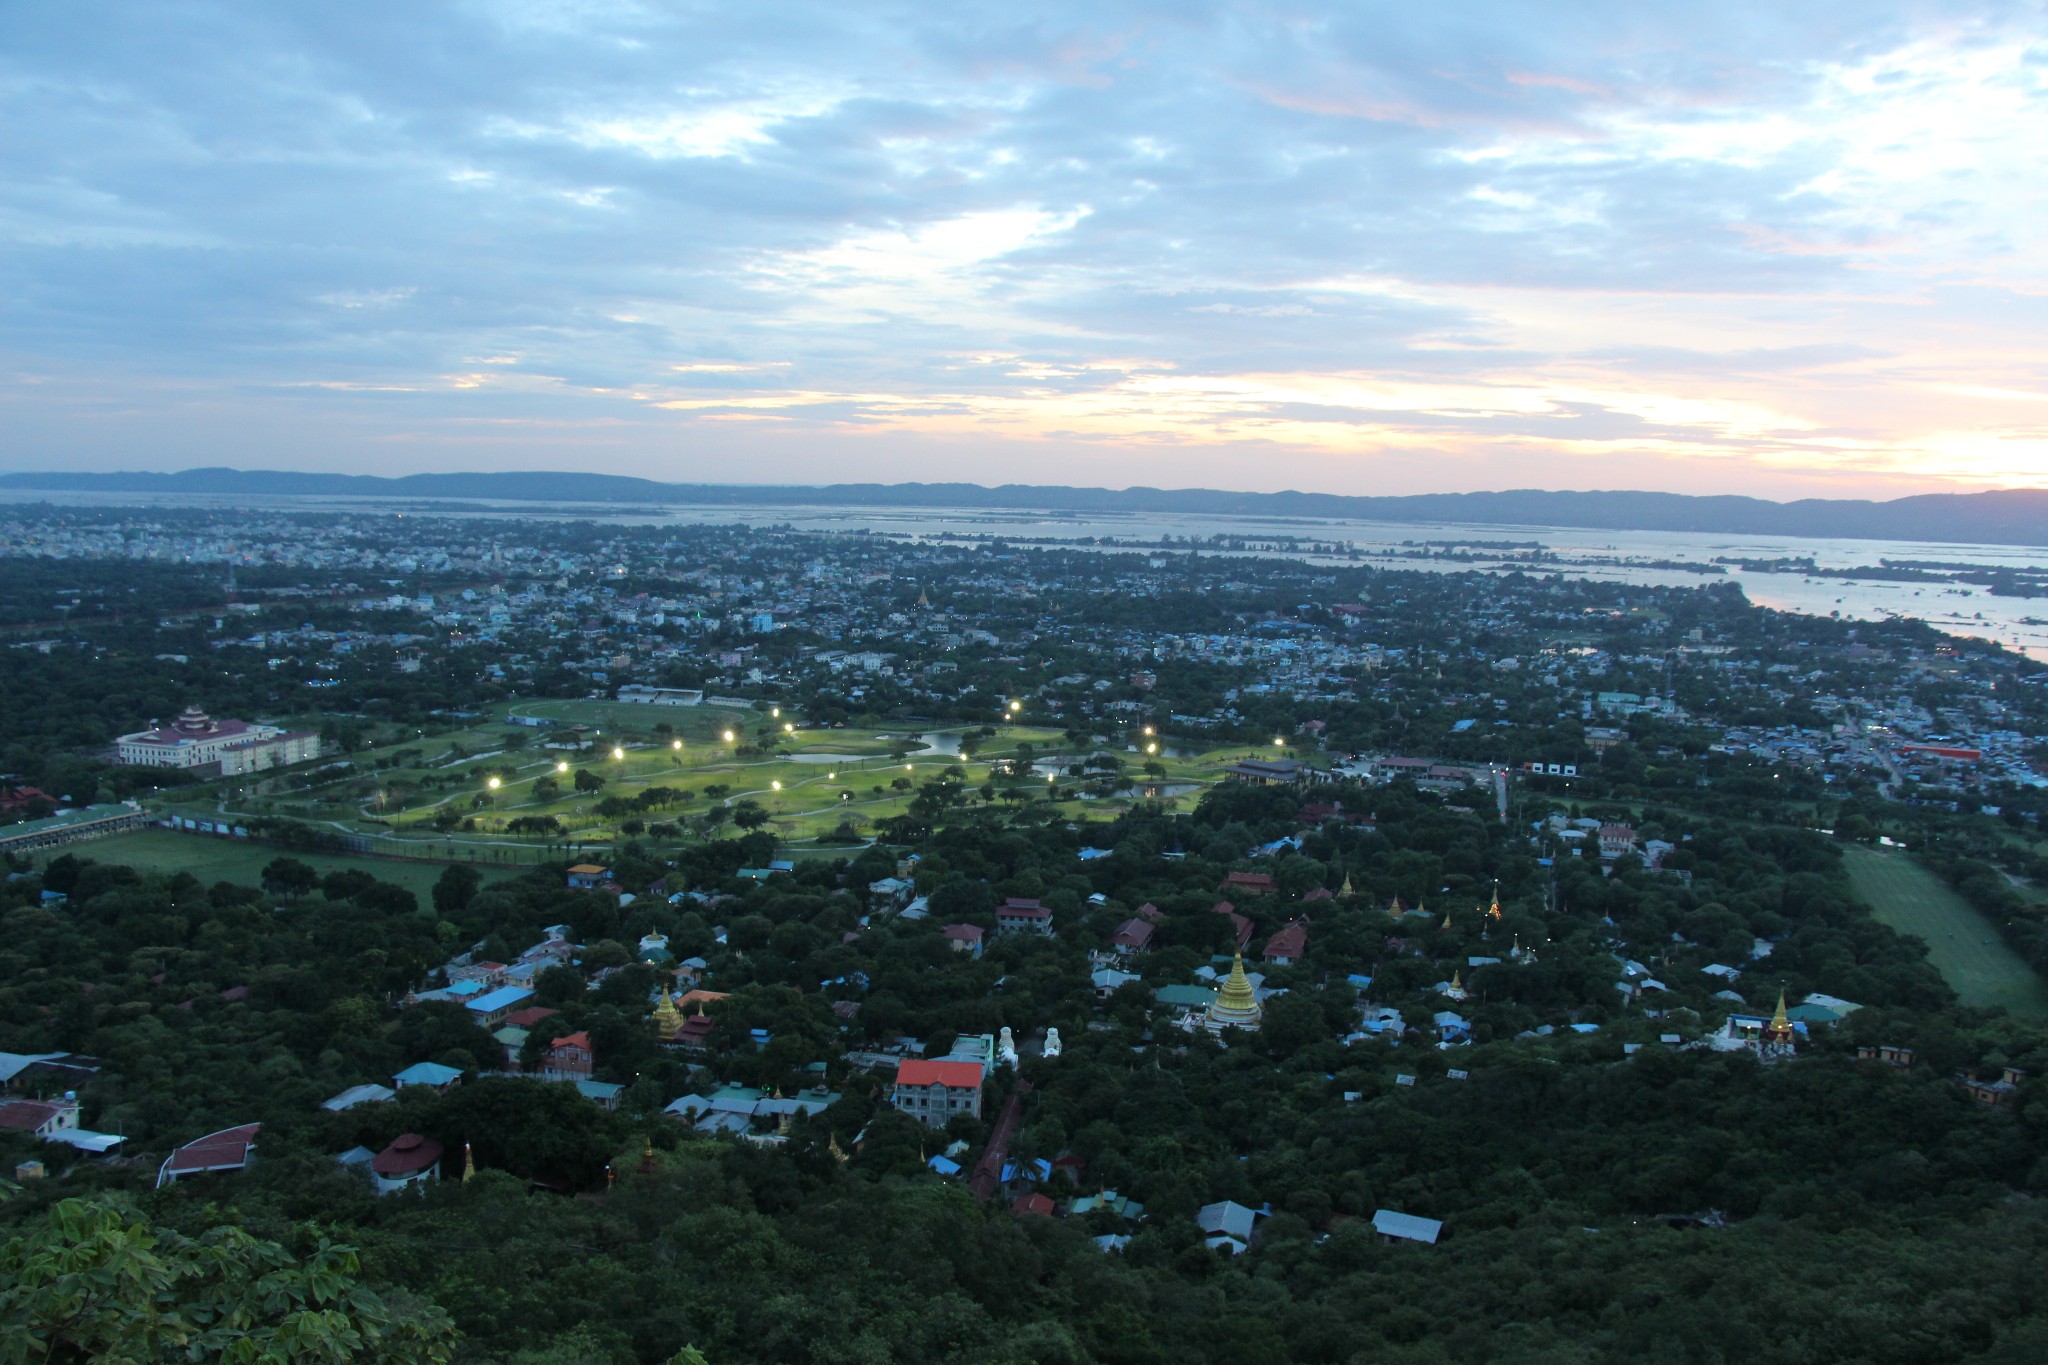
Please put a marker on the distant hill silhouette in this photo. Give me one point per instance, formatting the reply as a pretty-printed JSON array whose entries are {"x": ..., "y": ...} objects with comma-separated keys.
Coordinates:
[{"x": 2004, "y": 517}]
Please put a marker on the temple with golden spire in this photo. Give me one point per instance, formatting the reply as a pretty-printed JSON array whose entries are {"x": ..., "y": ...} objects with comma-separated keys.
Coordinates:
[
  {"x": 1493, "y": 911},
  {"x": 1345, "y": 890},
  {"x": 668, "y": 1020},
  {"x": 1236, "y": 1005},
  {"x": 1777, "y": 1035},
  {"x": 923, "y": 600}
]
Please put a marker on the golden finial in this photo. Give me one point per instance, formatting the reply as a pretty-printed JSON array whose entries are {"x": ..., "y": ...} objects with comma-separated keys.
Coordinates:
[
  {"x": 1345, "y": 890},
  {"x": 1494, "y": 910},
  {"x": 1457, "y": 984}
]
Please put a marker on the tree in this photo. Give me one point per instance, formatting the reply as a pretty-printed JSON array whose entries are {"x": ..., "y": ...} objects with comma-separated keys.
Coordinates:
[
  {"x": 588, "y": 782},
  {"x": 749, "y": 815},
  {"x": 455, "y": 888},
  {"x": 289, "y": 877},
  {"x": 97, "y": 1282}
]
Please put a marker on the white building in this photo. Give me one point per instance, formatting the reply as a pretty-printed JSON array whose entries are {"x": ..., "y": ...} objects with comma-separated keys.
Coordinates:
[{"x": 197, "y": 740}]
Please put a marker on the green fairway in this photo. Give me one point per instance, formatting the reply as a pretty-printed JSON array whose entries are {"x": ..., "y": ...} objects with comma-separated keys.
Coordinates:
[
  {"x": 1963, "y": 946},
  {"x": 213, "y": 859},
  {"x": 813, "y": 783}
]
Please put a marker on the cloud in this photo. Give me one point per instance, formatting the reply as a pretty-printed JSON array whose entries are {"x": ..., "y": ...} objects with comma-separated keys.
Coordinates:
[{"x": 1778, "y": 242}]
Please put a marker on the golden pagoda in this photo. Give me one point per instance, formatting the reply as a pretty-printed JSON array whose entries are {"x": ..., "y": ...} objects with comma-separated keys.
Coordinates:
[
  {"x": 922, "y": 600},
  {"x": 1778, "y": 1033},
  {"x": 1447, "y": 920},
  {"x": 1493, "y": 911},
  {"x": 1345, "y": 890},
  {"x": 838, "y": 1153},
  {"x": 668, "y": 1020},
  {"x": 468, "y": 1164},
  {"x": 1235, "y": 1006}
]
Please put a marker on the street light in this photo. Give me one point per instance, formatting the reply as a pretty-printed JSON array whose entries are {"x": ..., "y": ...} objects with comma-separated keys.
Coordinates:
[
  {"x": 1151, "y": 748},
  {"x": 775, "y": 712},
  {"x": 776, "y": 786},
  {"x": 728, "y": 736},
  {"x": 562, "y": 767},
  {"x": 675, "y": 744},
  {"x": 1148, "y": 729},
  {"x": 788, "y": 729},
  {"x": 618, "y": 753},
  {"x": 495, "y": 783},
  {"x": 831, "y": 777},
  {"x": 1278, "y": 743},
  {"x": 1015, "y": 707}
]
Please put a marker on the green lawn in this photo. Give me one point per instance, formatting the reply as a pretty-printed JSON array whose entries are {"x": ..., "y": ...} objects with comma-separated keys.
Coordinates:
[
  {"x": 213, "y": 859},
  {"x": 1961, "y": 943}
]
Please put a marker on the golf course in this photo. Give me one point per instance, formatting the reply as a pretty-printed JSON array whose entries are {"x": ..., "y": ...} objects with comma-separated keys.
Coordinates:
[{"x": 1962, "y": 945}]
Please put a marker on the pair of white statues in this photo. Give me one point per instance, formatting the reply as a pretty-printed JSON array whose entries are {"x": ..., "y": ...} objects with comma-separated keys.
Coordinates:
[{"x": 1006, "y": 1045}]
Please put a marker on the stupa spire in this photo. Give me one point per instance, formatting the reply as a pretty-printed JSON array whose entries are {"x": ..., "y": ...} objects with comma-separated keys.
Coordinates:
[{"x": 1236, "y": 1004}]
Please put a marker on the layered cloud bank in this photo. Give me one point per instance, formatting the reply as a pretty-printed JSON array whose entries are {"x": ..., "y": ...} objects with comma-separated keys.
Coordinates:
[{"x": 1764, "y": 248}]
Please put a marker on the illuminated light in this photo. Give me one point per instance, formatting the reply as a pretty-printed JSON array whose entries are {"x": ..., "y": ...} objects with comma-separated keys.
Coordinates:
[
  {"x": 675, "y": 744},
  {"x": 495, "y": 783},
  {"x": 1278, "y": 742},
  {"x": 906, "y": 767},
  {"x": 1151, "y": 748},
  {"x": 561, "y": 767},
  {"x": 1148, "y": 729},
  {"x": 775, "y": 786},
  {"x": 1015, "y": 707},
  {"x": 618, "y": 753},
  {"x": 728, "y": 736},
  {"x": 776, "y": 712},
  {"x": 788, "y": 729},
  {"x": 831, "y": 777}
]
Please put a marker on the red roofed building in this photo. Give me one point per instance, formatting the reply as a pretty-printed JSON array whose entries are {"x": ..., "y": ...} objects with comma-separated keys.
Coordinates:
[
  {"x": 933, "y": 1092},
  {"x": 568, "y": 1059},
  {"x": 1248, "y": 883},
  {"x": 527, "y": 1017},
  {"x": 14, "y": 798},
  {"x": 1132, "y": 936},
  {"x": 964, "y": 938},
  {"x": 41, "y": 1117},
  {"x": 1150, "y": 913},
  {"x": 197, "y": 740},
  {"x": 231, "y": 1149},
  {"x": 1616, "y": 840},
  {"x": 1035, "y": 1205},
  {"x": 1240, "y": 927},
  {"x": 409, "y": 1160},
  {"x": 1288, "y": 946},
  {"x": 1019, "y": 916}
]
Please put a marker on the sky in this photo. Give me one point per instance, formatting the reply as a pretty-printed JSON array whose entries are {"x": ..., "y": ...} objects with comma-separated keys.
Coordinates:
[{"x": 1780, "y": 248}]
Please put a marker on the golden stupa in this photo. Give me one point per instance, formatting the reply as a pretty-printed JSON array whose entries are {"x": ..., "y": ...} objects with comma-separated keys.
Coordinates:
[
  {"x": 1235, "y": 1006},
  {"x": 668, "y": 1020}
]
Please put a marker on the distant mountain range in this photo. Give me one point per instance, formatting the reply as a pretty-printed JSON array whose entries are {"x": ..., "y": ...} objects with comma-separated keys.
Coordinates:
[{"x": 2005, "y": 517}]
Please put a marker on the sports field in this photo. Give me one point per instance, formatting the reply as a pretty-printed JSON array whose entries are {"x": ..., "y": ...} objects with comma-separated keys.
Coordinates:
[
  {"x": 214, "y": 859},
  {"x": 1963, "y": 946}
]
